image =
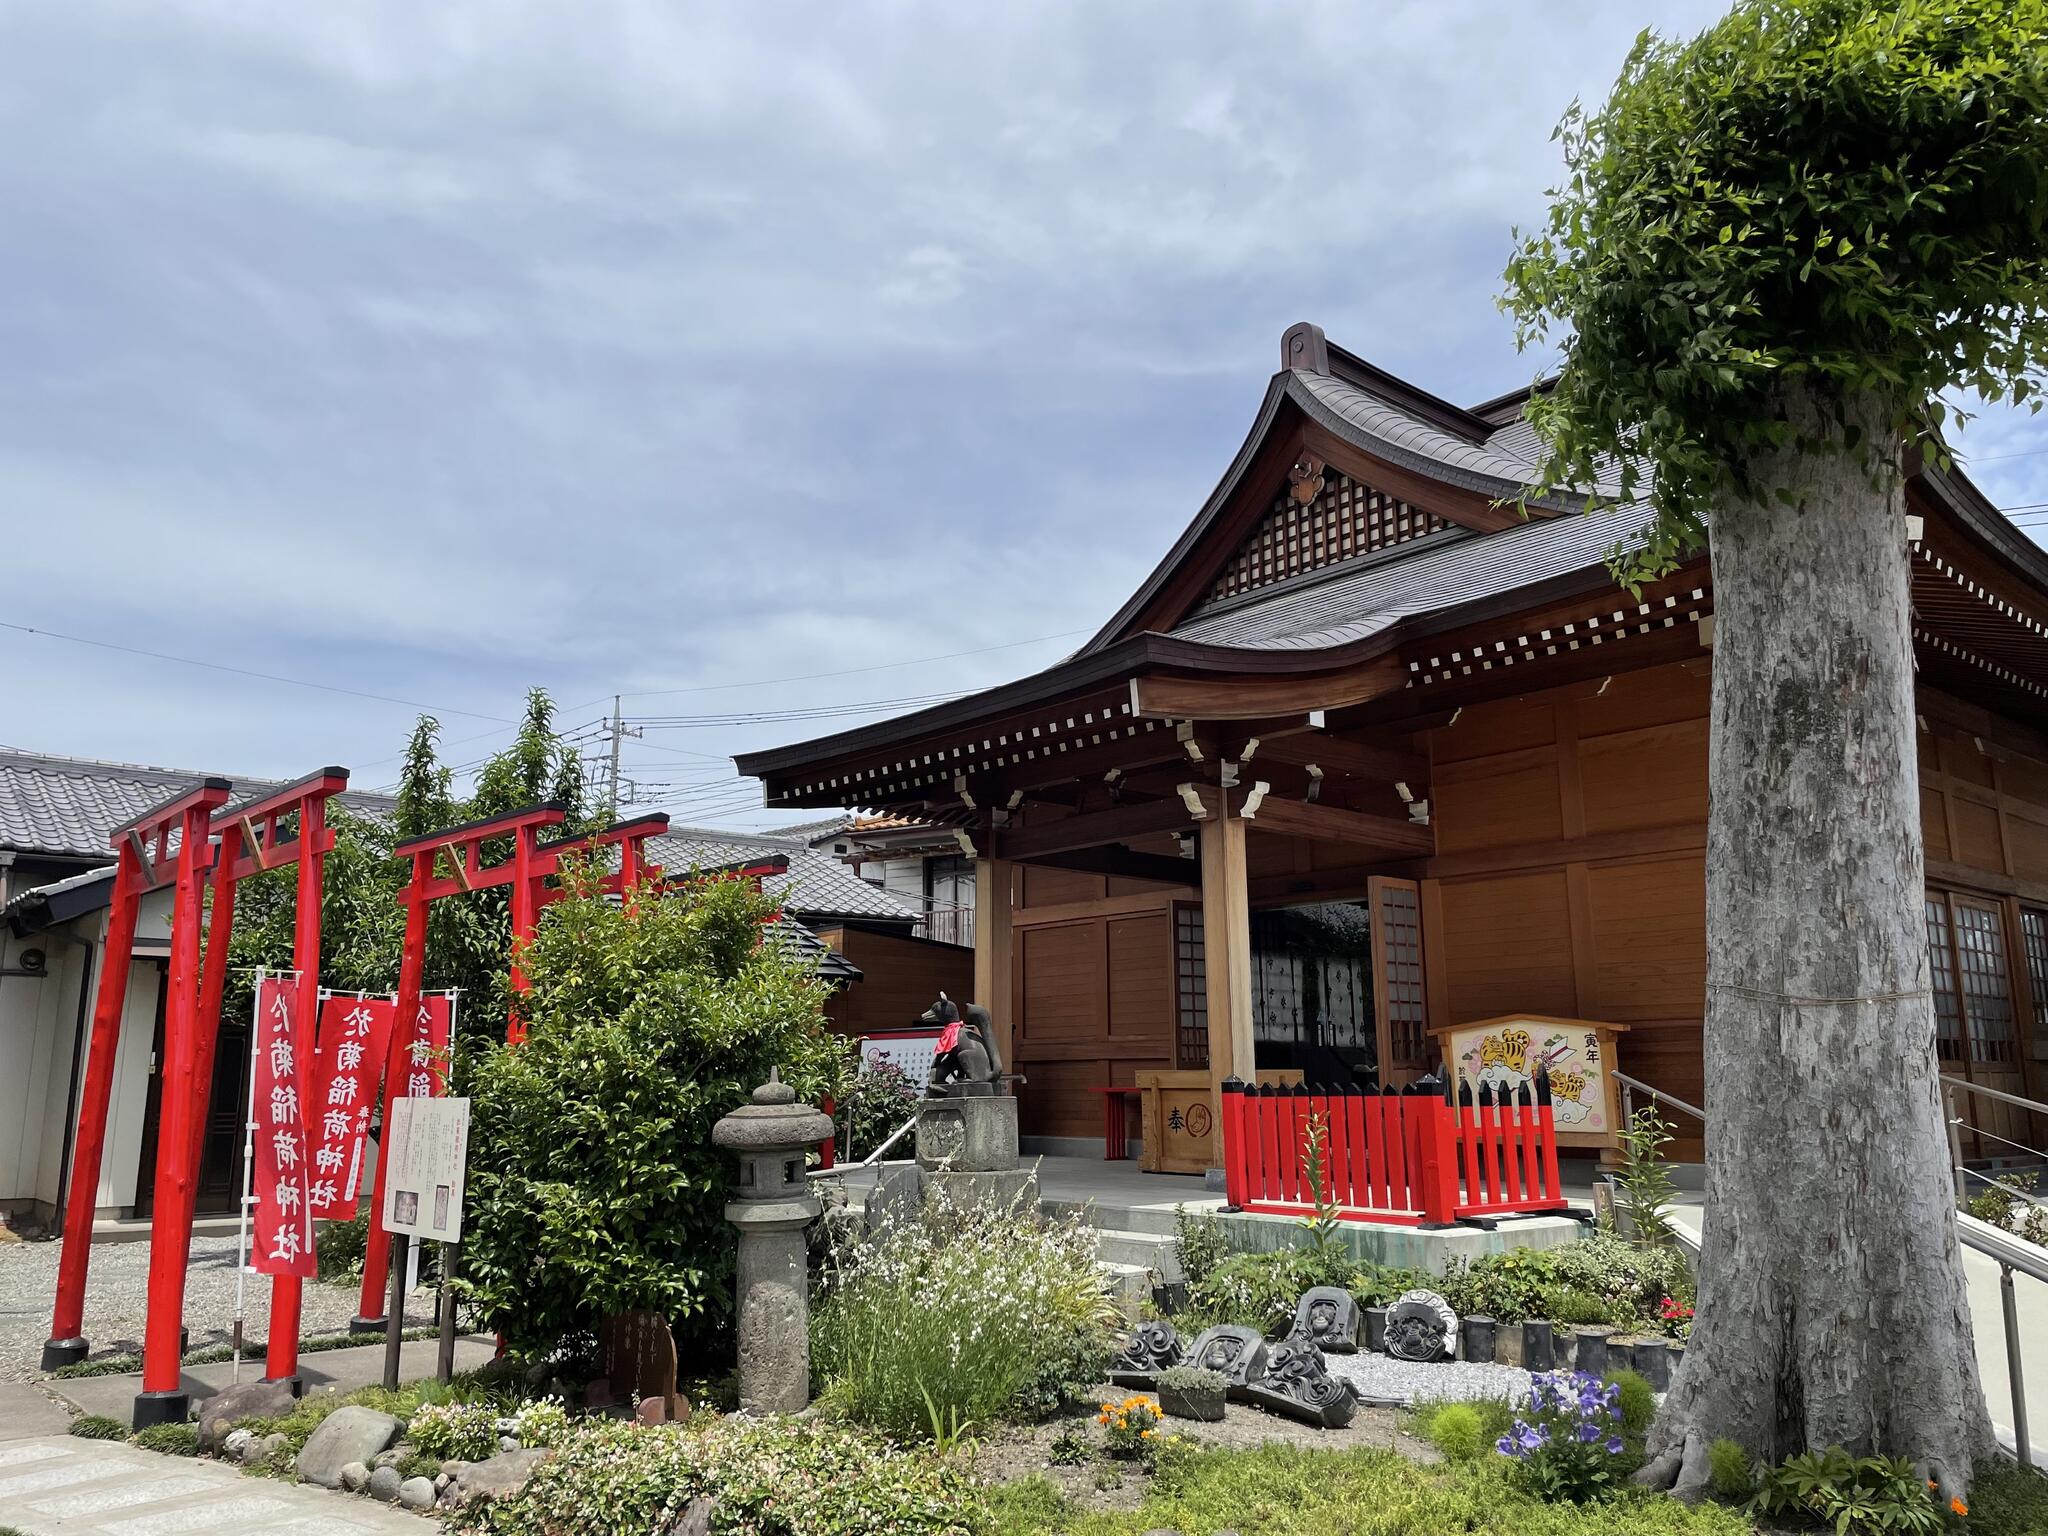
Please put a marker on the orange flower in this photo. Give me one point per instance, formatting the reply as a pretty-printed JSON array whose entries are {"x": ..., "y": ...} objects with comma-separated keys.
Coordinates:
[{"x": 1957, "y": 1506}]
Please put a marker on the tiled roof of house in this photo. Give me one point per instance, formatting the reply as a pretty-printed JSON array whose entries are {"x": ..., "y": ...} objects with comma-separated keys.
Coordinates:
[
  {"x": 815, "y": 884},
  {"x": 66, "y": 806}
]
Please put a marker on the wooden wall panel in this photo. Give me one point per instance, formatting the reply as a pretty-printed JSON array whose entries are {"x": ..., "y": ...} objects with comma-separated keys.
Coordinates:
[
  {"x": 1065, "y": 984},
  {"x": 1977, "y": 839},
  {"x": 1507, "y": 946},
  {"x": 1486, "y": 730},
  {"x": 1648, "y": 931},
  {"x": 1141, "y": 995},
  {"x": 1045, "y": 887},
  {"x": 1934, "y": 823},
  {"x": 1054, "y": 1100},
  {"x": 2027, "y": 841},
  {"x": 1492, "y": 801},
  {"x": 1653, "y": 776},
  {"x": 1653, "y": 696},
  {"x": 1960, "y": 759}
]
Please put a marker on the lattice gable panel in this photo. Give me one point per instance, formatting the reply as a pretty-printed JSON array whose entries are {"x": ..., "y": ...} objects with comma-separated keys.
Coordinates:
[{"x": 1345, "y": 519}]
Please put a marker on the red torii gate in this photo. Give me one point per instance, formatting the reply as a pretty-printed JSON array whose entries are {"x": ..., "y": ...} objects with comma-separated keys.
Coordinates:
[
  {"x": 248, "y": 842},
  {"x": 526, "y": 869}
]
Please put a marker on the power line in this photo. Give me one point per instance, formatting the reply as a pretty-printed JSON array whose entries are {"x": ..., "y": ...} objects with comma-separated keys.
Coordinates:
[
  {"x": 268, "y": 677},
  {"x": 804, "y": 712}
]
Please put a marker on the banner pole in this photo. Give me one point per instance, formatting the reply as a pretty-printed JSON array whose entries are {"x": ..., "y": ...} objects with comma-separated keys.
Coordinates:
[{"x": 248, "y": 1172}]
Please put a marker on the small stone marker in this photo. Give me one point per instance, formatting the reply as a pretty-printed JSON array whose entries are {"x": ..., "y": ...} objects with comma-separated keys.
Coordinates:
[
  {"x": 1327, "y": 1316},
  {"x": 637, "y": 1355}
]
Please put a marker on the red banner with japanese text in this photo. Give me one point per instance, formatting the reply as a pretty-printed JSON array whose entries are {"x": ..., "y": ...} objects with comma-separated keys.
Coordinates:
[
  {"x": 354, "y": 1035},
  {"x": 426, "y": 1053},
  {"x": 283, "y": 1222}
]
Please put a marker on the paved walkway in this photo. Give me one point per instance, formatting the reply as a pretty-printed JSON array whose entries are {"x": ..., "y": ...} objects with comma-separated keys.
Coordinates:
[
  {"x": 338, "y": 1370},
  {"x": 57, "y": 1486}
]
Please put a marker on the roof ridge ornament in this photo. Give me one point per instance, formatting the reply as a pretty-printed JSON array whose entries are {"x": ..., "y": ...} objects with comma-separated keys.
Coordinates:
[{"x": 1304, "y": 348}]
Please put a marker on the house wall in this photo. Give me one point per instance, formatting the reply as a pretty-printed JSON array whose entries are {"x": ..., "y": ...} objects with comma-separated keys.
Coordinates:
[{"x": 899, "y": 979}]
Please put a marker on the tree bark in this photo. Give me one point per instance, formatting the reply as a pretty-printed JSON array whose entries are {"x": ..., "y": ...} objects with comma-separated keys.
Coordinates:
[{"x": 1832, "y": 1309}]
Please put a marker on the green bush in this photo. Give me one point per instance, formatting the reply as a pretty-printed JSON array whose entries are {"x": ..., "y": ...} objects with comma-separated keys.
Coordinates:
[
  {"x": 97, "y": 1426},
  {"x": 455, "y": 1431},
  {"x": 594, "y": 1187},
  {"x": 1259, "y": 1290},
  {"x": 542, "y": 1422},
  {"x": 1572, "y": 1307},
  {"x": 1198, "y": 1243},
  {"x": 1637, "y": 1400},
  {"x": 1507, "y": 1287},
  {"x": 339, "y": 1246},
  {"x": 297, "y": 1426},
  {"x": 418, "y": 1464},
  {"x": 1632, "y": 1280},
  {"x": 874, "y": 1107},
  {"x": 784, "y": 1476},
  {"x": 1729, "y": 1478},
  {"x": 1849, "y": 1493},
  {"x": 1457, "y": 1430},
  {"x": 169, "y": 1439},
  {"x": 964, "y": 1317}
]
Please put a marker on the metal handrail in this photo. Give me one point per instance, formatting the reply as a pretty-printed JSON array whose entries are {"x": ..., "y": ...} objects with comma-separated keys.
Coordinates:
[
  {"x": 1993, "y": 1093},
  {"x": 873, "y": 1157},
  {"x": 2010, "y": 1253},
  {"x": 1628, "y": 1097}
]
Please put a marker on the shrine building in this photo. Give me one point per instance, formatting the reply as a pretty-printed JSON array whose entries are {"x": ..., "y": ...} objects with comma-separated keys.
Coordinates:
[{"x": 1370, "y": 756}]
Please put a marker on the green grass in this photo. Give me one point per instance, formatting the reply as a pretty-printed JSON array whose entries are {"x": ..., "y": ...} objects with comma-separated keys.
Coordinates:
[
  {"x": 214, "y": 1354},
  {"x": 169, "y": 1439},
  {"x": 2008, "y": 1501},
  {"x": 97, "y": 1426},
  {"x": 1280, "y": 1490}
]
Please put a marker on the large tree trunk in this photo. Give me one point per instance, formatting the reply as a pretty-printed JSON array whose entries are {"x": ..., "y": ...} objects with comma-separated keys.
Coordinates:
[{"x": 1832, "y": 1309}]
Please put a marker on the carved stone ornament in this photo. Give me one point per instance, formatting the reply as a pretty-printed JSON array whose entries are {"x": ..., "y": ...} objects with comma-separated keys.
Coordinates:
[
  {"x": 1299, "y": 1384},
  {"x": 1328, "y": 1317},
  {"x": 1235, "y": 1353},
  {"x": 1153, "y": 1348},
  {"x": 1421, "y": 1326}
]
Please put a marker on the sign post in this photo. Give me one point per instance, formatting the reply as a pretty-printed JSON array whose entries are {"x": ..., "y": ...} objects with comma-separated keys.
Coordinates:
[{"x": 421, "y": 1177}]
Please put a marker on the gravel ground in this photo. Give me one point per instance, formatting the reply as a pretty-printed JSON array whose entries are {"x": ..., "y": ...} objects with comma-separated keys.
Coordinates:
[
  {"x": 117, "y": 1283},
  {"x": 1381, "y": 1378}
]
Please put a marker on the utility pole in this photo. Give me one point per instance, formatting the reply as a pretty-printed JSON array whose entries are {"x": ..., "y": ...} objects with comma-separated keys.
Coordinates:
[{"x": 619, "y": 733}]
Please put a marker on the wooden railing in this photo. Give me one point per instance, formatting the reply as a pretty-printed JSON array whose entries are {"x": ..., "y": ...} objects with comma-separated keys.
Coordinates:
[{"x": 1413, "y": 1157}]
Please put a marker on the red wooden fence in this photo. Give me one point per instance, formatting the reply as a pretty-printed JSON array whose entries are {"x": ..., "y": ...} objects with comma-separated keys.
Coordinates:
[{"x": 1413, "y": 1157}]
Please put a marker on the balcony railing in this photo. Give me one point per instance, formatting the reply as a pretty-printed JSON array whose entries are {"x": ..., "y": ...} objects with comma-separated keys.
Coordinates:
[{"x": 948, "y": 925}]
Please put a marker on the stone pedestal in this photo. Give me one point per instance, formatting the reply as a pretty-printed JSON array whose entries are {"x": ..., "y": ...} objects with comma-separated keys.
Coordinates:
[
  {"x": 968, "y": 1134},
  {"x": 1005, "y": 1189},
  {"x": 771, "y": 1206}
]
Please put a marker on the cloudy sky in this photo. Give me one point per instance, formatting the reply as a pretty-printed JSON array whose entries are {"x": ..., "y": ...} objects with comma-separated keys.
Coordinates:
[{"x": 692, "y": 351}]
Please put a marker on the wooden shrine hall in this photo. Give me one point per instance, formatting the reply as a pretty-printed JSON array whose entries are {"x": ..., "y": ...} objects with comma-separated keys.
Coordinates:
[{"x": 1370, "y": 758}]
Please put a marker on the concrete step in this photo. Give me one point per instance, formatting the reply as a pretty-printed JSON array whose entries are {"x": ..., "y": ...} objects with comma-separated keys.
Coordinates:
[
  {"x": 1147, "y": 1250},
  {"x": 1130, "y": 1286},
  {"x": 1156, "y": 1220}
]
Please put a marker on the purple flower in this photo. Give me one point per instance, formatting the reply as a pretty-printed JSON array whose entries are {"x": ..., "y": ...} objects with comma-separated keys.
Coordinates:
[
  {"x": 1614, "y": 1446},
  {"x": 1507, "y": 1447},
  {"x": 1588, "y": 1433}
]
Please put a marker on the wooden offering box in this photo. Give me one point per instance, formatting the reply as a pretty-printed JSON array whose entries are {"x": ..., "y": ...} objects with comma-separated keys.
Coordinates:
[{"x": 1179, "y": 1119}]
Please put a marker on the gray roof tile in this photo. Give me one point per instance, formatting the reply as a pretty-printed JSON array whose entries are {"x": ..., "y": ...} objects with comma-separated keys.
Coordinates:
[
  {"x": 816, "y": 884},
  {"x": 1356, "y": 601},
  {"x": 68, "y": 805}
]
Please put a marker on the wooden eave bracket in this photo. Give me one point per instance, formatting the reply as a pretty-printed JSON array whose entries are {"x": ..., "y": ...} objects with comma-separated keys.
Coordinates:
[
  {"x": 1252, "y": 801},
  {"x": 144, "y": 864},
  {"x": 1197, "y": 806}
]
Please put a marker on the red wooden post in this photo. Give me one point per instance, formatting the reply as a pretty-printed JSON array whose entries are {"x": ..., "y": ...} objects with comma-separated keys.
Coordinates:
[
  {"x": 1394, "y": 1118},
  {"x": 67, "y": 1344},
  {"x": 1439, "y": 1160},
  {"x": 287, "y": 1291},
  {"x": 826, "y": 1147},
  {"x": 1355, "y": 1133},
  {"x": 161, "y": 1400},
  {"x": 525, "y": 918},
  {"x": 1236, "y": 1164},
  {"x": 1466, "y": 1117},
  {"x": 370, "y": 1307},
  {"x": 1337, "y": 1150},
  {"x": 1547, "y": 1136}
]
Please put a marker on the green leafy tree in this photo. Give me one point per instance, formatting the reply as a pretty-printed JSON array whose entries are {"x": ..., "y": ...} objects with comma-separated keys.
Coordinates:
[
  {"x": 594, "y": 1186},
  {"x": 1777, "y": 246}
]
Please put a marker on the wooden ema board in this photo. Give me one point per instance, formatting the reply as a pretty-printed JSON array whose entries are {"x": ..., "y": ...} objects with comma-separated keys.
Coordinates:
[
  {"x": 1178, "y": 1116},
  {"x": 637, "y": 1354},
  {"x": 1580, "y": 1053}
]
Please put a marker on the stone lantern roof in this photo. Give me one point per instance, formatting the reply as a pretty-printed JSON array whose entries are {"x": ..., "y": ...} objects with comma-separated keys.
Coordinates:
[{"x": 773, "y": 1119}]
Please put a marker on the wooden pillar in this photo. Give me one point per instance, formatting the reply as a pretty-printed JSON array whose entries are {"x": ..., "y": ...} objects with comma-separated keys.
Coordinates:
[
  {"x": 995, "y": 950},
  {"x": 1227, "y": 954}
]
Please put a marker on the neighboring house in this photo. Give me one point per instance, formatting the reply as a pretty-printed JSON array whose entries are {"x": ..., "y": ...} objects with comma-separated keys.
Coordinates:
[
  {"x": 56, "y": 865},
  {"x": 1370, "y": 754},
  {"x": 922, "y": 863},
  {"x": 873, "y": 927}
]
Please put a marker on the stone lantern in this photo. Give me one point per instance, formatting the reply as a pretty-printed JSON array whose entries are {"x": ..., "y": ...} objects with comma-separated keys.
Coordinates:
[{"x": 771, "y": 1205}]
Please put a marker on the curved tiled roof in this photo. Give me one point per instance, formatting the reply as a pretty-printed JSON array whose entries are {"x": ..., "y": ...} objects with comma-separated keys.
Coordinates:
[
  {"x": 816, "y": 884},
  {"x": 1355, "y": 601},
  {"x": 67, "y": 806}
]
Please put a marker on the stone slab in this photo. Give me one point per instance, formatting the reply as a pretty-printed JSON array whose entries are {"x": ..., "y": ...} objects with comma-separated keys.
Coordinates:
[
  {"x": 968, "y": 1135},
  {"x": 116, "y": 1489},
  {"x": 26, "y": 1412},
  {"x": 1003, "y": 1190}
]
